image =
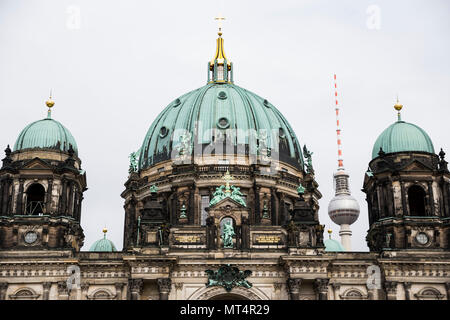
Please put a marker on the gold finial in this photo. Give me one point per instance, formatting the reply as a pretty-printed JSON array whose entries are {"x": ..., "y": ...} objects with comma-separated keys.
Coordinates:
[
  {"x": 50, "y": 103},
  {"x": 398, "y": 106},
  {"x": 329, "y": 232},
  {"x": 219, "y": 24},
  {"x": 105, "y": 230}
]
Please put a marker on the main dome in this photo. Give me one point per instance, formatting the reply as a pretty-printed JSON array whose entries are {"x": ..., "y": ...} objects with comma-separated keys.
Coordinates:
[
  {"x": 45, "y": 133},
  {"x": 402, "y": 136},
  {"x": 211, "y": 110}
]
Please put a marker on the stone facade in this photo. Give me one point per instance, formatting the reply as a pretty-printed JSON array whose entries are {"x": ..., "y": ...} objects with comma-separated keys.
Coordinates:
[{"x": 278, "y": 241}]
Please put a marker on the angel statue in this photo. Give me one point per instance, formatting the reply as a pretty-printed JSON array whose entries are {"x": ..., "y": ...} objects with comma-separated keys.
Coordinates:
[
  {"x": 228, "y": 233},
  {"x": 308, "y": 156},
  {"x": 133, "y": 162}
]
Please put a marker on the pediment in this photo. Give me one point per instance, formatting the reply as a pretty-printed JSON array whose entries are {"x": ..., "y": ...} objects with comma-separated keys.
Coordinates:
[
  {"x": 37, "y": 163},
  {"x": 228, "y": 202},
  {"x": 416, "y": 165}
]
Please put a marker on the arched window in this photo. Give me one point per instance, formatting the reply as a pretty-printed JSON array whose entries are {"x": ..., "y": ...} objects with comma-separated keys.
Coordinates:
[
  {"x": 35, "y": 199},
  {"x": 416, "y": 201}
]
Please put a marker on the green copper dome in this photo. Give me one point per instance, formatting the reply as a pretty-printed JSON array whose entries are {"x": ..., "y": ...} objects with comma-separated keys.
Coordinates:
[
  {"x": 103, "y": 245},
  {"x": 45, "y": 133},
  {"x": 209, "y": 112},
  {"x": 333, "y": 246},
  {"x": 402, "y": 136}
]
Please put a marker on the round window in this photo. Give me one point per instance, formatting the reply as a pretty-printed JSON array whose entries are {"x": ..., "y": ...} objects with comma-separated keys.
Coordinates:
[
  {"x": 222, "y": 95},
  {"x": 163, "y": 132},
  {"x": 223, "y": 123},
  {"x": 266, "y": 103},
  {"x": 176, "y": 103}
]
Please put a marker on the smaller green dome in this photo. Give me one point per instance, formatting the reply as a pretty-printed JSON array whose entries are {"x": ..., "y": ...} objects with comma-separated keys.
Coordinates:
[
  {"x": 45, "y": 133},
  {"x": 333, "y": 246},
  {"x": 402, "y": 136},
  {"x": 103, "y": 245}
]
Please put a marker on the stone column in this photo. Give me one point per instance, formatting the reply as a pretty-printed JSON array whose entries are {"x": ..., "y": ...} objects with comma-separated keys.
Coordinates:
[
  {"x": 49, "y": 196},
  {"x": 69, "y": 209},
  {"x": 46, "y": 290},
  {"x": 447, "y": 287},
  {"x": 119, "y": 286},
  {"x": 407, "y": 287},
  {"x": 63, "y": 290},
  {"x": 390, "y": 288},
  {"x": 136, "y": 286},
  {"x": 321, "y": 288},
  {"x": 431, "y": 197},
  {"x": 84, "y": 290},
  {"x": 164, "y": 285},
  {"x": 336, "y": 290},
  {"x": 293, "y": 286},
  {"x": 3, "y": 288},
  {"x": 19, "y": 206},
  {"x": 404, "y": 205},
  {"x": 62, "y": 201}
]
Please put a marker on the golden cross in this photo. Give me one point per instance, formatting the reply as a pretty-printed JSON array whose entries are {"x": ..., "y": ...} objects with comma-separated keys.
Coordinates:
[
  {"x": 219, "y": 23},
  {"x": 227, "y": 177}
]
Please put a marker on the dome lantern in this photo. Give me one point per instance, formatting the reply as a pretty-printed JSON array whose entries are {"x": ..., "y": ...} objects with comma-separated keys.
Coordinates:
[{"x": 220, "y": 69}]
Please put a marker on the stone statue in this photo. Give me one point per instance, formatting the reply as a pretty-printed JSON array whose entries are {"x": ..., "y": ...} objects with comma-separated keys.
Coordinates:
[
  {"x": 228, "y": 234},
  {"x": 308, "y": 156},
  {"x": 218, "y": 195},
  {"x": 237, "y": 195},
  {"x": 133, "y": 162}
]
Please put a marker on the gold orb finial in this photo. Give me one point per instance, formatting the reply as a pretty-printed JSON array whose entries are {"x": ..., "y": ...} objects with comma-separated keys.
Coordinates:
[
  {"x": 50, "y": 103},
  {"x": 105, "y": 230},
  {"x": 398, "y": 106},
  {"x": 330, "y": 231}
]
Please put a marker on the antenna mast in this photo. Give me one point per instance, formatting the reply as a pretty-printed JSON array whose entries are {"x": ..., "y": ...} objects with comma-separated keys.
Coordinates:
[{"x": 338, "y": 129}]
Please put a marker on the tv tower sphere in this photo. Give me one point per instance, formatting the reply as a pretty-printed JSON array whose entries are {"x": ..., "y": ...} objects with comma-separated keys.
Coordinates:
[{"x": 343, "y": 209}]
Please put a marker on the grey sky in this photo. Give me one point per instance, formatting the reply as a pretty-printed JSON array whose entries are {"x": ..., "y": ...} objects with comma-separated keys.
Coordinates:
[{"x": 116, "y": 67}]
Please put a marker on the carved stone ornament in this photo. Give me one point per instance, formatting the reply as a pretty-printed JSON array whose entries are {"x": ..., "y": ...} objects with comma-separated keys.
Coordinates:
[
  {"x": 228, "y": 277},
  {"x": 164, "y": 284}
]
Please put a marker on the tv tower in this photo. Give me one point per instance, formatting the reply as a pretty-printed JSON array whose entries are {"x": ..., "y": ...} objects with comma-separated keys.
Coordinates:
[{"x": 343, "y": 209}]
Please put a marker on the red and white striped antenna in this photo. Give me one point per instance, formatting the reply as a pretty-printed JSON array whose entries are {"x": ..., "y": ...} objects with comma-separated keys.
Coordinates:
[{"x": 338, "y": 129}]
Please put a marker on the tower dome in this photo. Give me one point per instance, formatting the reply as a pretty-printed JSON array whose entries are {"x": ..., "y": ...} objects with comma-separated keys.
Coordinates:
[
  {"x": 332, "y": 245},
  {"x": 103, "y": 245},
  {"x": 402, "y": 136},
  {"x": 46, "y": 133},
  {"x": 219, "y": 109}
]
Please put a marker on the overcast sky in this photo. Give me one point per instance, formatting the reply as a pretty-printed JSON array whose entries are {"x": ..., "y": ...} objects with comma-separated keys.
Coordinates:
[{"x": 114, "y": 65}]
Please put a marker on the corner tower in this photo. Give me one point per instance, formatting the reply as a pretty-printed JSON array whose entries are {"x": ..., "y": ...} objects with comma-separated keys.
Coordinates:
[
  {"x": 408, "y": 191},
  {"x": 41, "y": 189}
]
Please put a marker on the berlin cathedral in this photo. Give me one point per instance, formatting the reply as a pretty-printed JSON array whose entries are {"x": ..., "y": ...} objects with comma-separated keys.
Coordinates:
[{"x": 221, "y": 203}]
